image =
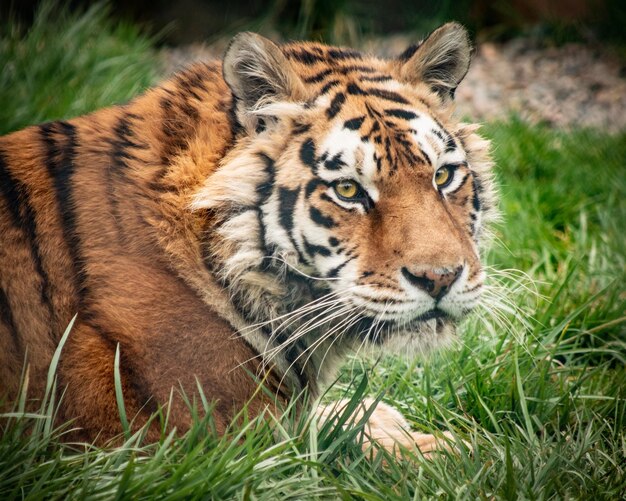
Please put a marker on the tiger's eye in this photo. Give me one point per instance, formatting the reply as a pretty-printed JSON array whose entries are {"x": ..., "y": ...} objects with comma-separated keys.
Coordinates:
[
  {"x": 442, "y": 176},
  {"x": 347, "y": 189}
]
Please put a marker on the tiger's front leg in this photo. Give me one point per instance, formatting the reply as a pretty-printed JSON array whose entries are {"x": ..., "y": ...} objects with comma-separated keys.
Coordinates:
[{"x": 386, "y": 428}]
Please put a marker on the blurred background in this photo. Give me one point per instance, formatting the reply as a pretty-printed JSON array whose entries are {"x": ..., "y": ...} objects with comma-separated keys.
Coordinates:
[
  {"x": 558, "y": 62},
  {"x": 344, "y": 21}
]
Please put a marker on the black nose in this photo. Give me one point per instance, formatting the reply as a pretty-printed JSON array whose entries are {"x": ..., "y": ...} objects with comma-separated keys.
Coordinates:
[{"x": 436, "y": 284}]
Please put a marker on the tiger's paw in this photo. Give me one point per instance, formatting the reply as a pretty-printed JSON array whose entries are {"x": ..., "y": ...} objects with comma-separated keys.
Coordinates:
[{"x": 387, "y": 429}]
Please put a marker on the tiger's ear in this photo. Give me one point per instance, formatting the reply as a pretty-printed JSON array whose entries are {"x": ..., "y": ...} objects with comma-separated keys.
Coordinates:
[
  {"x": 259, "y": 75},
  {"x": 441, "y": 61}
]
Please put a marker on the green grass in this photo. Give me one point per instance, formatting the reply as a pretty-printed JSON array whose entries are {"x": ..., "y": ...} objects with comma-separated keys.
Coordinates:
[
  {"x": 536, "y": 386},
  {"x": 68, "y": 64}
]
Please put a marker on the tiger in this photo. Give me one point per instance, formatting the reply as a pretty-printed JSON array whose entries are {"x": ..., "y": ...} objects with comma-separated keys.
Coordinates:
[{"x": 250, "y": 220}]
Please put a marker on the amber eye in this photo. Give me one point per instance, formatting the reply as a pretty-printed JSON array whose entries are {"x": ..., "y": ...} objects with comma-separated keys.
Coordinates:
[
  {"x": 347, "y": 188},
  {"x": 443, "y": 176}
]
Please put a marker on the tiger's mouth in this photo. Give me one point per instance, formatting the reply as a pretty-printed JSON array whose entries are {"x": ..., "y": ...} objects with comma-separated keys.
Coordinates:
[
  {"x": 378, "y": 331},
  {"x": 434, "y": 313}
]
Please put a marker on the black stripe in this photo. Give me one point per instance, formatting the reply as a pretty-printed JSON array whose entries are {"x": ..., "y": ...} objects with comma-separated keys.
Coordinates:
[
  {"x": 186, "y": 88},
  {"x": 305, "y": 57},
  {"x": 354, "y": 123},
  {"x": 321, "y": 219},
  {"x": 23, "y": 216},
  {"x": 60, "y": 164},
  {"x": 233, "y": 121},
  {"x": 440, "y": 135},
  {"x": 426, "y": 156},
  {"x": 286, "y": 204},
  {"x": 174, "y": 129},
  {"x": 287, "y": 201},
  {"x": 387, "y": 95},
  {"x": 197, "y": 77},
  {"x": 10, "y": 193},
  {"x": 313, "y": 249},
  {"x": 260, "y": 126},
  {"x": 388, "y": 155},
  {"x": 326, "y": 198},
  {"x": 450, "y": 144},
  {"x": 264, "y": 190},
  {"x": 120, "y": 143},
  {"x": 187, "y": 84},
  {"x": 6, "y": 317},
  {"x": 375, "y": 78},
  {"x": 307, "y": 154},
  {"x": 477, "y": 190},
  {"x": 268, "y": 253},
  {"x": 336, "y": 104},
  {"x": 334, "y": 163},
  {"x": 312, "y": 185},
  {"x": 335, "y": 271},
  {"x": 328, "y": 86},
  {"x": 400, "y": 113},
  {"x": 372, "y": 112},
  {"x": 377, "y": 159},
  {"x": 318, "y": 77},
  {"x": 361, "y": 69},
  {"x": 301, "y": 128},
  {"x": 344, "y": 54},
  {"x": 355, "y": 90},
  {"x": 408, "y": 53}
]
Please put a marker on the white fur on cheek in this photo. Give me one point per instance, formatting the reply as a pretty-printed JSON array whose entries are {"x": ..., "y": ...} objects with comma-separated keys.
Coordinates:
[{"x": 237, "y": 185}]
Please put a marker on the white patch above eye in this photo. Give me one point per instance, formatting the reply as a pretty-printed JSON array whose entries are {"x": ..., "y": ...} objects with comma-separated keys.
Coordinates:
[
  {"x": 345, "y": 143},
  {"x": 453, "y": 157},
  {"x": 357, "y": 157},
  {"x": 429, "y": 134},
  {"x": 423, "y": 126}
]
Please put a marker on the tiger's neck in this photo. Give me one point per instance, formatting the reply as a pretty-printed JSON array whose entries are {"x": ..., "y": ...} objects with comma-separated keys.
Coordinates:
[{"x": 289, "y": 322}]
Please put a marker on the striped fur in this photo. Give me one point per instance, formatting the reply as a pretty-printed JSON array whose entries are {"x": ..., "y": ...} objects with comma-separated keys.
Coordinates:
[{"x": 198, "y": 227}]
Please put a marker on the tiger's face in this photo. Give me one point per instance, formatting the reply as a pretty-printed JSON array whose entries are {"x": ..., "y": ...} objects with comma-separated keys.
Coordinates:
[
  {"x": 353, "y": 189},
  {"x": 382, "y": 203}
]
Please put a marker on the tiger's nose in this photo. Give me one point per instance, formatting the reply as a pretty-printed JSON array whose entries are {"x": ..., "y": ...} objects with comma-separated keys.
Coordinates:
[{"x": 435, "y": 283}]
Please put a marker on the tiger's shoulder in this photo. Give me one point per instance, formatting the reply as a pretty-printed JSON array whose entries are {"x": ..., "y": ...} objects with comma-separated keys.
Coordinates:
[{"x": 95, "y": 189}]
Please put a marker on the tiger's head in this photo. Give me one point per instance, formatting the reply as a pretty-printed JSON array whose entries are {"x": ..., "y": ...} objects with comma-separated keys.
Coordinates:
[{"x": 351, "y": 208}]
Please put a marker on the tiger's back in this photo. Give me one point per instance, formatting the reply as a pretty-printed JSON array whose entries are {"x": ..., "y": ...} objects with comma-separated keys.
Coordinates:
[{"x": 85, "y": 204}]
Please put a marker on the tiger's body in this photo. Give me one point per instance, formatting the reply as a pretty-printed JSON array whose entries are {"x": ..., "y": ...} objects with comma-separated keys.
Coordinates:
[{"x": 264, "y": 217}]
